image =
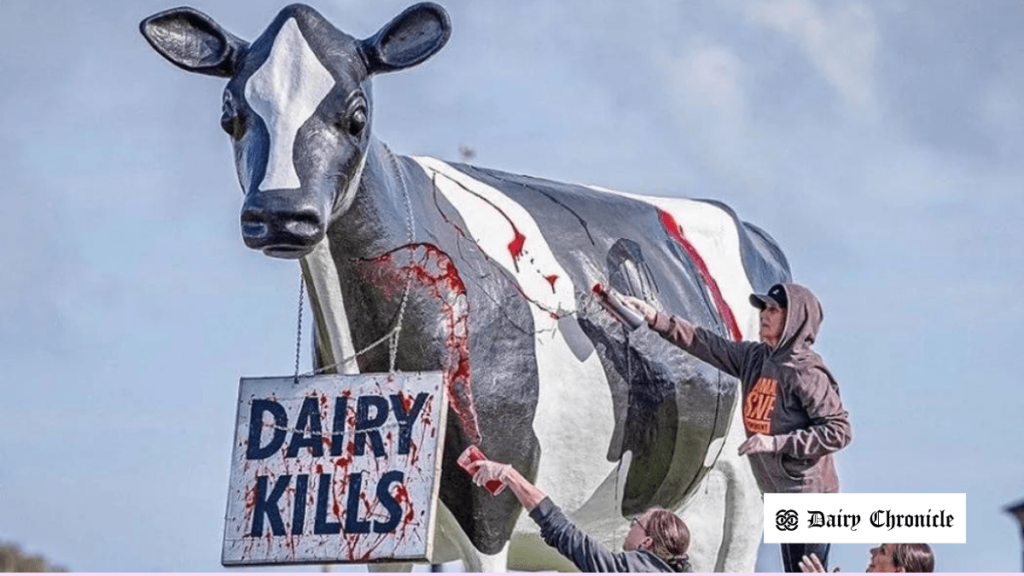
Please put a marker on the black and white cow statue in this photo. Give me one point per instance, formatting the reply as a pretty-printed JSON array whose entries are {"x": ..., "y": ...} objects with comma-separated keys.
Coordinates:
[{"x": 489, "y": 276}]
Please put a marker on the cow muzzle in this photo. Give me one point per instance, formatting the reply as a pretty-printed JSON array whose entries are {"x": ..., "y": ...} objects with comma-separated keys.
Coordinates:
[{"x": 282, "y": 232}]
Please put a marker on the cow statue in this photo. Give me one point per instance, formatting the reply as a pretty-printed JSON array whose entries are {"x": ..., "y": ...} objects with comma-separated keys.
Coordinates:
[{"x": 416, "y": 264}]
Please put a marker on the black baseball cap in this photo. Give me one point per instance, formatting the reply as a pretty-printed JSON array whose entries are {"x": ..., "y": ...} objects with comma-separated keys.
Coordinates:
[{"x": 776, "y": 296}]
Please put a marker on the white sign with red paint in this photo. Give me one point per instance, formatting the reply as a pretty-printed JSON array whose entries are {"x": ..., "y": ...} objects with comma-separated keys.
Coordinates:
[{"x": 335, "y": 469}]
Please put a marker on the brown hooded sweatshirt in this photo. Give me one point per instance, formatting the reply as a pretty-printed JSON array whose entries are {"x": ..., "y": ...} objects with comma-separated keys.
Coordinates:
[{"x": 788, "y": 394}]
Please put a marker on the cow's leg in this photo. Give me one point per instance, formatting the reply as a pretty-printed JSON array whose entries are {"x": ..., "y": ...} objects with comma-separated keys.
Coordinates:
[
  {"x": 454, "y": 538},
  {"x": 725, "y": 516},
  {"x": 744, "y": 507}
]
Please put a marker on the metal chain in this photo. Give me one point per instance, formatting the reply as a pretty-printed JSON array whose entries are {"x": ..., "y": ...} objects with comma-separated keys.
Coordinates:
[
  {"x": 411, "y": 226},
  {"x": 298, "y": 330}
]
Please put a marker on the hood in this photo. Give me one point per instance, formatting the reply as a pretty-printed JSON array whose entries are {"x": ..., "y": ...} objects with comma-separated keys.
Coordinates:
[{"x": 803, "y": 319}]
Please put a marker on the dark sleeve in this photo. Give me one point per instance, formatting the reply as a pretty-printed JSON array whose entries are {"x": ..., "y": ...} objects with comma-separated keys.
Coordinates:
[
  {"x": 829, "y": 429},
  {"x": 722, "y": 353},
  {"x": 587, "y": 554}
]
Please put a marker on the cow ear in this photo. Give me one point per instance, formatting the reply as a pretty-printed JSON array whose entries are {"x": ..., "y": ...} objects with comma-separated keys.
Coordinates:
[
  {"x": 193, "y": 41},
  {"x": 410, "y": 38}
]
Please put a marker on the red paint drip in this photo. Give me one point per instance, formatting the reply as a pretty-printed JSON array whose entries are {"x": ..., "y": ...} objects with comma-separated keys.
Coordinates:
[
  {"x": 407, "y": 401},
  {"x": 515, "y": 247},
  {"x": 433, "y": 271},
  {"x": 498, "y": 267},
  {"x": 551, "y": 280},
  {"x": 676, "y": 232}
]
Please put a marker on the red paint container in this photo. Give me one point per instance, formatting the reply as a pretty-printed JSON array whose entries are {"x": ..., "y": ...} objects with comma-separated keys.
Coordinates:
[
  {"x": 610, "y": 302},
  {"x": 473, "y": 454}
]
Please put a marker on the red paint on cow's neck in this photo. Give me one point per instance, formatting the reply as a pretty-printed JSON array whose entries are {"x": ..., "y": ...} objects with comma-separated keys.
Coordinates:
[
  {"x": 676, "y": 232},
  {"x": 433, "y": 271}
]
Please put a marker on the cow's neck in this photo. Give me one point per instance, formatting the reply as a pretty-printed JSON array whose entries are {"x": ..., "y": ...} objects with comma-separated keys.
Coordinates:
[{"x": 377, "y": 221}]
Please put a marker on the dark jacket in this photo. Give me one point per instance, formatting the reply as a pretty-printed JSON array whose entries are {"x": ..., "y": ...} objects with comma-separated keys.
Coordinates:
[
  {"x": 787, "y": 393},
  {"x": 588, "y": 554}
]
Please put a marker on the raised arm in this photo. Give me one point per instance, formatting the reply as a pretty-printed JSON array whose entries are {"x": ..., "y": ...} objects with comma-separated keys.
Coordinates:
[
  {"x": 722, "y": 353},
  {"x": 556, "y": 529}
]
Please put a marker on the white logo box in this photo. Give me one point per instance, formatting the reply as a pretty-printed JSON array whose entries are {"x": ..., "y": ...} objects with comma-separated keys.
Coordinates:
[{"x": 865, "y": 518}]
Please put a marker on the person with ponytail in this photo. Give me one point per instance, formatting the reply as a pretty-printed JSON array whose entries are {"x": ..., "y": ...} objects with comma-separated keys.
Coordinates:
[{"x": 657, "y": 540}]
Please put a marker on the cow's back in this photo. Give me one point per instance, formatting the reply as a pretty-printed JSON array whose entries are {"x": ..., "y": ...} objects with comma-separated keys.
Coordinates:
[{"x": 605, "y": 396}]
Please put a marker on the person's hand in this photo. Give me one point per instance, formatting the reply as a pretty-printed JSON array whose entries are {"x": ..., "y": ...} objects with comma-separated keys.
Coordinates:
[
  {"x": 758, "y": 444},
  {"x": 812, "y": 564},
  {"x": 642, "y": 307},
  {"x": 485, "y": 471}
]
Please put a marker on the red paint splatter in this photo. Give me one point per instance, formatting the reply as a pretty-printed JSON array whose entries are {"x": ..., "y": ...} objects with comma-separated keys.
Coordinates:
[
  {"x": 407, "y": 401},
  {"x": 676, "y": 232},
  {"x": 319, "y": 468},
  {"x": 402, "y": 495},
  {"x": 551, "y": 280},
  {"x": 434, "y": 272},
  {"x": 515, "y": 247}
]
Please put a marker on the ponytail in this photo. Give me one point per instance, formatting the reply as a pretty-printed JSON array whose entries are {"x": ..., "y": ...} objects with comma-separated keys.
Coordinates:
[{"x": 670, "y": 538}]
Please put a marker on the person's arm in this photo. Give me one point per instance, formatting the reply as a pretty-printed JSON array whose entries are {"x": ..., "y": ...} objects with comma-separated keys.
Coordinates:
[
  {"x": 722, "y": 353},
  {"x": 556, "y": 529},
  {"x": 829, "y": 430},
  {"x": 484, "y": 471}
]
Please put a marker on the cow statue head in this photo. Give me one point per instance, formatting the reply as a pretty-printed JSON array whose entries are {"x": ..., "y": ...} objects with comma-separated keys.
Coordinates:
[{"x": 297, "y": 108}]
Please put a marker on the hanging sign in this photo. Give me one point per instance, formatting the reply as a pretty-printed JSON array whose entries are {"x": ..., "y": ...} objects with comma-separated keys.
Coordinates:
[{"x": 335, "y": 469}]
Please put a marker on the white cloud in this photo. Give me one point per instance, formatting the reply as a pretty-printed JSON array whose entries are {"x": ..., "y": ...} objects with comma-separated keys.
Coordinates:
[{"x": 840, "y": 40}]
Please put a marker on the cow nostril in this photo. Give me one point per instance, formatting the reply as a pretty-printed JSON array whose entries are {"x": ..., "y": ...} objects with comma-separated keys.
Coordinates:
[
  {"x": 305, "y": 224},
  {"x": 253, "y": 224}
]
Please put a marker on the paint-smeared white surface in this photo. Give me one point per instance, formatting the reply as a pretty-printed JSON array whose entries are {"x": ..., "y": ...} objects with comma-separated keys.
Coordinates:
[
  {"x": 714, "y": 449},
  {"x": 574, "y": 442},
  {"x": 285, "y": 92},
  {"x": 726, "y": 509},
  {"x": 325, "y": 295},
  {"x": 712, "y": 231}
]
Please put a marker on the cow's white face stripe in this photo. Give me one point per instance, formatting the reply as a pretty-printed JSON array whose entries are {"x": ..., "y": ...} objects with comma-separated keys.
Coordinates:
[{"x": 285, "y": 92}]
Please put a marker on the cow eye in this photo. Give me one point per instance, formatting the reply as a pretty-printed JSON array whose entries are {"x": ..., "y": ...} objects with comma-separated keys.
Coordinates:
[
  {"x": 356, "y": 122},
  {"x": 233, "y": 124}
]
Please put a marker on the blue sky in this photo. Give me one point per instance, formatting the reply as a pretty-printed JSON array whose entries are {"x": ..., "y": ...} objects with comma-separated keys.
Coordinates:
[{"x": 878, "y": 142}]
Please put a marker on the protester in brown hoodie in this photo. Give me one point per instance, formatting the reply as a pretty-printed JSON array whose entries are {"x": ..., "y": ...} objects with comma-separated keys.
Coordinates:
[{"x": 792, "y": 411}]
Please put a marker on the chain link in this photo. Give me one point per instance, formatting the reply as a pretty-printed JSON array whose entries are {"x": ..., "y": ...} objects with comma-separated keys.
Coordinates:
[
  {"x": 411, "y": 226},
  {"x": 298, "y": 331}
]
